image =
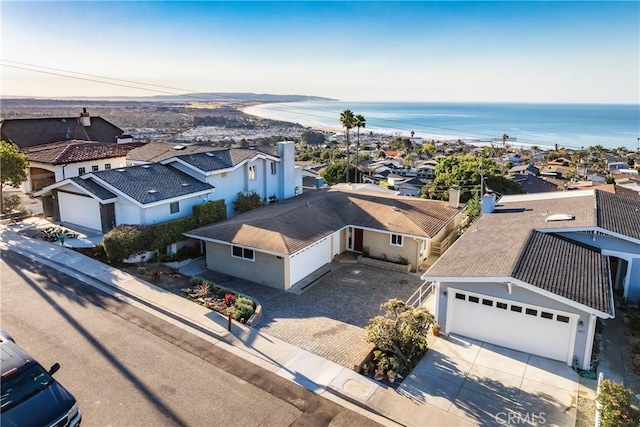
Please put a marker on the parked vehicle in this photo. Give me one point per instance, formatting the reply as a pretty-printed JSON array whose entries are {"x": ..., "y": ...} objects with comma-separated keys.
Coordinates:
[{"x": 30, "y": 395}]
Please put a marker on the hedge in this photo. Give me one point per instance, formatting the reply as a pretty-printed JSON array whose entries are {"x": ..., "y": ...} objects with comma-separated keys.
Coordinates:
[{"x": 125, "y": 241}]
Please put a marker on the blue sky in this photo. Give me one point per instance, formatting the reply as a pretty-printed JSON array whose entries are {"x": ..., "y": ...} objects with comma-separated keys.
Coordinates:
[{"x": 453, "y": 51}]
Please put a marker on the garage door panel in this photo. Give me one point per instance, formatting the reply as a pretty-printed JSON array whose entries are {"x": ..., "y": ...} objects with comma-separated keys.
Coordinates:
[
  {"x": 309, "y": 260},
  {"x": 80, "y": 210},
  {"x": 531, "y": 329}
]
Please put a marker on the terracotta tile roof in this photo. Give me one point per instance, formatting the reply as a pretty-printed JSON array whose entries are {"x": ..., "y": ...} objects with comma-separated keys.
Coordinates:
[
  {"x": 584, "y": 270},
  {"x": 31, "y": 132},
  {"x": 290, "y": 225},
  {"x": 64, "y": 152}
]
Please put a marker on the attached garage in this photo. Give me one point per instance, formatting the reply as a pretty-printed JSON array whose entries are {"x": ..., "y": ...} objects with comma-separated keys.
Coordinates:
[
  {"x": 524, "y": 327},
  {"x": 309, "y": 260},
  {"x": 80, "y": 210}
]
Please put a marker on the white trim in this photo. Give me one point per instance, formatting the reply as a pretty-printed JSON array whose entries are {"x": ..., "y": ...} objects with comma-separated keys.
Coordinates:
[
  {"x": 396, "y": 244},
  {"x": 260, "y": 156},
  {"x": 64, "y": 182},
  {"x": 243, "y": 249},
  {"x": 591, "y": 330},
  {"x": 573, "y": 317},
  {"x": 523, "y": 285}
]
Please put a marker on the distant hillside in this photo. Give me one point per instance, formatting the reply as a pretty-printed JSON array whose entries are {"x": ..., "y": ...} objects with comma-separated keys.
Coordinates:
[{"x": 229, "y": 97}]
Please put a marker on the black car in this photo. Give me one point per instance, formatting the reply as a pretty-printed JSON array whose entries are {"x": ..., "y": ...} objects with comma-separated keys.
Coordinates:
[{"x": 30, "y": 395}]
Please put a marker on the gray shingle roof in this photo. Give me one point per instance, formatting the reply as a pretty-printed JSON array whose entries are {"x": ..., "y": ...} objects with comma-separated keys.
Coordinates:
[
  {"x": 31, "y": 132},
  {"x": 584, "y": 270},
  {"x": 491, "y": 246},
  {"x": 94, "y": 188},
  {"x": 619, "y": 213},
  {"x": 151, "y": 183},
  {"x": 160, "y": 151},
  {"x": 293, "y": 224}
]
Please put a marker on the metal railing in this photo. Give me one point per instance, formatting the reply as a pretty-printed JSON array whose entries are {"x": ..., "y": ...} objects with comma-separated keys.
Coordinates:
[{"x": 420, "y": 294}]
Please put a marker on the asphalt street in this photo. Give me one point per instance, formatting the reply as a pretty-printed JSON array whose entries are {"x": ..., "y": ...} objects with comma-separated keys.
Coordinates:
[{"x": 129, "y": 368}]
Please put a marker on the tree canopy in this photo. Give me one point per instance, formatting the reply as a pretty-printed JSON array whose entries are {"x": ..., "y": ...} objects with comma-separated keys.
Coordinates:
[
  {"x": 465, "y": 172},
  {"x": 336, "y": 172},
  {"x": 13, "y": 167}
]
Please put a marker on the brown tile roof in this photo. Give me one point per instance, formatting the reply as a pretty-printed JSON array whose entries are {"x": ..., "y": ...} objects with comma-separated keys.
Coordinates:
[
  {"x": 293, "y": 224},
  {"x": 584, "y": 270},
  {"x": 31, "y": 132},
  {"x": 64, "y": 152}
]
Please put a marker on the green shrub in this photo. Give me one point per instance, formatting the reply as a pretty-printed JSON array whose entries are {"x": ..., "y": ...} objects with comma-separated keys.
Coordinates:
[
  {"x": 244, "y": 308},
  {"x": 403, "y": 260},
  {"x": 247, "y": 202},
  {"x": 615, "y": 399},
  {"x": 196, "y": 281},
  {"x": 125, "y": 241}
]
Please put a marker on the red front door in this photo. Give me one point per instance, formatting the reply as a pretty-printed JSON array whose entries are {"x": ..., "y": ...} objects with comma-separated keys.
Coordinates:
[{"x": 357, "y": 239}]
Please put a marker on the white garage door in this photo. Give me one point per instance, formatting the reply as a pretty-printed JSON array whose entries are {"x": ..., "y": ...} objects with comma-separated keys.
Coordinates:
[
  {"x": 528, "y": 328},
  {"x": 80, "y": 210},
  {"x": 310, "y": 259}
]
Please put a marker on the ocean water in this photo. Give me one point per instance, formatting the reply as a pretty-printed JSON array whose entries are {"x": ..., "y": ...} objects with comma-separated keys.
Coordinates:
[{"x": 567, "y": 125}]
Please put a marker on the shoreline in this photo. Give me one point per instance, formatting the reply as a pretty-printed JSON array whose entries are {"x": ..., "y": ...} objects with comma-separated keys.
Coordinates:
[{"x": 476, "y": 142}]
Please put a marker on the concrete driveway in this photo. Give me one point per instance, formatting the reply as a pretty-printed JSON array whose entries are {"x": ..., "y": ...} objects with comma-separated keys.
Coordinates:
[{"x": 491, "y": 385}]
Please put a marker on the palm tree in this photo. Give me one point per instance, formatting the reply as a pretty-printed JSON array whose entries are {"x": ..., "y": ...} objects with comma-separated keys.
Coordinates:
[
  {"x": 359, "y": 122},
  {"x": 504, "y": 140},
  {"x": 347, "y": 119}
]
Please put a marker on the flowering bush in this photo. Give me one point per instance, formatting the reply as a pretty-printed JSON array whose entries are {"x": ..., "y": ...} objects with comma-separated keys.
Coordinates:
[{"x": 229, "y": 299}]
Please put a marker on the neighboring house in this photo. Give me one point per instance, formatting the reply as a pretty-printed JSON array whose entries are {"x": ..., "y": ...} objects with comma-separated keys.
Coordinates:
[
  {"x": 365, "y": 188},
  {"x": 614, "y": 166},
  {"x": 535, "y": 272},
  {"x": 411, "y": 187},
  {"x": 25, "y": 133},
  {"x": 145, "y": 194},
  {"x": 280, "y": 244},
  {"x": 533, "y": 184},
  {"x": 555, "y": 171},
  {"x": 57, "y": 161},
  {"x": 524, "y": 170}
]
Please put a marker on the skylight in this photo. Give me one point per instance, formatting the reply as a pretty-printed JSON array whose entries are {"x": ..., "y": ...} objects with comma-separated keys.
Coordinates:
[
  {"x": 560, "y": 217},
  {"x": 210, "y": 154},
  {"x": 152, "y": 191},
  {"x": 178, "y": 147}
]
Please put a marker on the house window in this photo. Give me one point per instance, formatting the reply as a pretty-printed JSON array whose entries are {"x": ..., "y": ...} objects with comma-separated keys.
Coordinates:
[
  {"x": 546, "y": 315},
  {"x": 501, "y": 305},
  {"x": 487, "y": 302},
  {"x": 244, "y": 253},
  {"x": 474, "y": 299},
  {"x": 273, "y": 168},
  {"x": 396, "y": 240},
  {"x": 563, "y": 319},
  {"x": 516, "y": 308},
  {"x": 531, "y": 312},
  {"x": 81, "y": 171},
  {"x": 252, "y": 173},
  {"x": 223, "y": 175},
  {"x": 460, "y": 296},
  {"x": 175, "y": 207},
  {"x": 107, "y": 165},
  {"x": 94, "y": 168}
]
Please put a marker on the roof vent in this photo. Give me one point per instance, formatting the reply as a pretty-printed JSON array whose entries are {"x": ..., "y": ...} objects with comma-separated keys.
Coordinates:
[
  {"x": 152, "y": 191},
  {"x": 185, "y": 184},
  {"x": 120, "y": 170},
  {"x": 560, "y": 217},
  {"x": 145, "y": 166},
  {"x": 210, "y": 154},
  {"x": 178, "y": 147}
]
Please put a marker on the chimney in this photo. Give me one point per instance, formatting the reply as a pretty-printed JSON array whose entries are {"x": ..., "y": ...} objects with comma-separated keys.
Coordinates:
[
  {"x": 85, "y": 118},
  {"x": 488, "y": 203},
  {"x": 286, "y": 170},
  {"x": 454, "y": 196}
]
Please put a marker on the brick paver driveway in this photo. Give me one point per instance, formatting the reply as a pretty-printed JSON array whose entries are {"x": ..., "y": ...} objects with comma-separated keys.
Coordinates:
[{"x": 329, "y": 317}]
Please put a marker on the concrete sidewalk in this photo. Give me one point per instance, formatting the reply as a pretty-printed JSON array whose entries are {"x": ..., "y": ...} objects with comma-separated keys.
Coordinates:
[{"x": 319, "y": 375}]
